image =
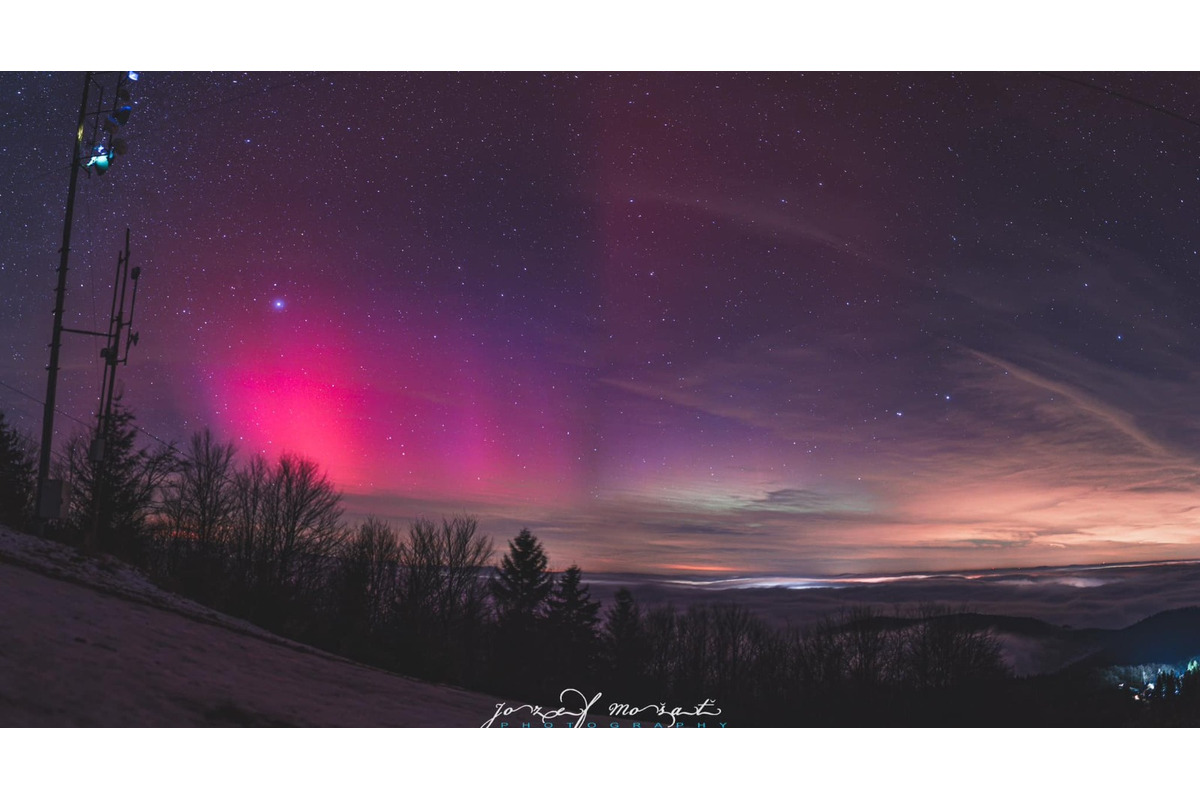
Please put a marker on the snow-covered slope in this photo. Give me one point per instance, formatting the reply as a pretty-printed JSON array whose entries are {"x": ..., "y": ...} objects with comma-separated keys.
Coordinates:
[{"x": 90, "y": 641}]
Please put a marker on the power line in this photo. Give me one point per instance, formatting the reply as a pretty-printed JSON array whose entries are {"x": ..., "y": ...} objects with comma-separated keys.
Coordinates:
[
  {"x": 42, "y": 403},
  {"x": 72, "y": 417}
]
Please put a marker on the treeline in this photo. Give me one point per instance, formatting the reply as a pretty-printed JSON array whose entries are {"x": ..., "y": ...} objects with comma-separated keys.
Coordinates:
[
  {"x": 266, "y": 541},
  {"x": 1165, "y": 695}
]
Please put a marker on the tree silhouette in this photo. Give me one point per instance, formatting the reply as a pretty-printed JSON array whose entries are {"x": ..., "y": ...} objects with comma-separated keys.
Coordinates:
[
  {"x": 624, "y": 642},
  {"x": 944, "y": 650},
  {"x": 113, "y": 498},
  {"x": 363, "y": 588},
  {"x": 285, "y": 532},
  {"x": 197, "y": 503},
  {"x": 16, "y": 477},
  {"x": 521, "y": 584},
  {"x": 441, "y": 604},
  {"x": 519, "y": 589},
  {"x": 573, "y": 618},
  {"x": 197, "y": 516}
]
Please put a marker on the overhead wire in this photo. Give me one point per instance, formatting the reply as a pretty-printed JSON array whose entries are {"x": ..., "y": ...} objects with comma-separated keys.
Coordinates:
[
  {"x": 74, "y": 418},
  {"x": 42, "y": 403}
]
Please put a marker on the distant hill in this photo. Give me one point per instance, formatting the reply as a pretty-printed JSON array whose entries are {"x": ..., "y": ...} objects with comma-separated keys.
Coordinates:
[
  {"x": 1033, "y": 646},
  {"x": 1170, "y": 637}
]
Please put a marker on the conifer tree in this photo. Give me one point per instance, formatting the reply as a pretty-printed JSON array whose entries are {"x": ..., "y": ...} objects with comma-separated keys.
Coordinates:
[
  {"x": 573, "y": 619},
  {"x": 114, "y": 498},
  {"x": 17, "y": 471},
  {"x": 624, "y": 641},
  {"x": 519, "y": 589},
  {"x": 521, "y": 584},
  {"x": 570, "y": 609},
  {"x": 624, "y": 620}
]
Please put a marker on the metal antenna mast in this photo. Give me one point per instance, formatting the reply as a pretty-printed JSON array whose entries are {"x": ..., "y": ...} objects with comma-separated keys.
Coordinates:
[
  {"x": 117, "y": 324},
  {"x": 102, "y": 150}
]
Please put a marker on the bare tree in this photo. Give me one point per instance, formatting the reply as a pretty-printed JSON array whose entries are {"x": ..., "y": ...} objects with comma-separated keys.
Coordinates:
[
  {"x": 440, "y": 569},
  {"x": 873, "y": 648},
  {"x": 441, "y": 600},
  {"x": 660, "y": 626},
  {"x": 369, "y": 573},
  {"x": 250, "y": 487},
  {"x": 306, "y": 510},
  {"x": 197, "y": 503},
  {"x": 944, "y": 649},
  {"x": 363, "y": 587},
  {"x": 285, "y": 534},
  {"x": 738, "y": 641},
  {"x": 196, "y": 516},
  {"x": 821, "y": 656}
]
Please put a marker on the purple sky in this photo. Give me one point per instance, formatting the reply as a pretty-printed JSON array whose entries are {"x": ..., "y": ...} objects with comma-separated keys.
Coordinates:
[{"x": 788, "y": 323}]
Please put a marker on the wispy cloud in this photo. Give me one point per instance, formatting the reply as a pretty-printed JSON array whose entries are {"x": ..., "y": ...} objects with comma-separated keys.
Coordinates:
[{"x": 1089, "y": 405}]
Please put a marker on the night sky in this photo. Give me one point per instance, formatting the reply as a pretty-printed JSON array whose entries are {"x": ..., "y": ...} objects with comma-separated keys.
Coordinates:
[{"x": 785, "y": 323}]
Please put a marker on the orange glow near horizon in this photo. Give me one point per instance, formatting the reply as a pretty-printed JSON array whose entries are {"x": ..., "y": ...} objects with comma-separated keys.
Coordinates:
[{"x": 694, "y": 568}]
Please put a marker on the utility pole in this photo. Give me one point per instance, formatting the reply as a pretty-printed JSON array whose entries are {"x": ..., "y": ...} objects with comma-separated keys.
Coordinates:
[
  {"x": 49, "y": 498},
  {"x": 102, "y": 149}
]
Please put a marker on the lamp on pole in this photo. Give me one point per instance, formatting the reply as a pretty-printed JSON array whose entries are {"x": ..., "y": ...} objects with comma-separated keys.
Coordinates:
[{"x": 50, "y": 494}]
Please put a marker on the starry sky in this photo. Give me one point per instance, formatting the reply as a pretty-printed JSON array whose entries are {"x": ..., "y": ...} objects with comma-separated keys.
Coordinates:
[{"x": 785, "y": 323}]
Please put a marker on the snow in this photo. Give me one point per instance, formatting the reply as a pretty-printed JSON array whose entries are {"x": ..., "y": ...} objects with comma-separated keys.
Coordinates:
[{"x": 91, "y": 641}]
